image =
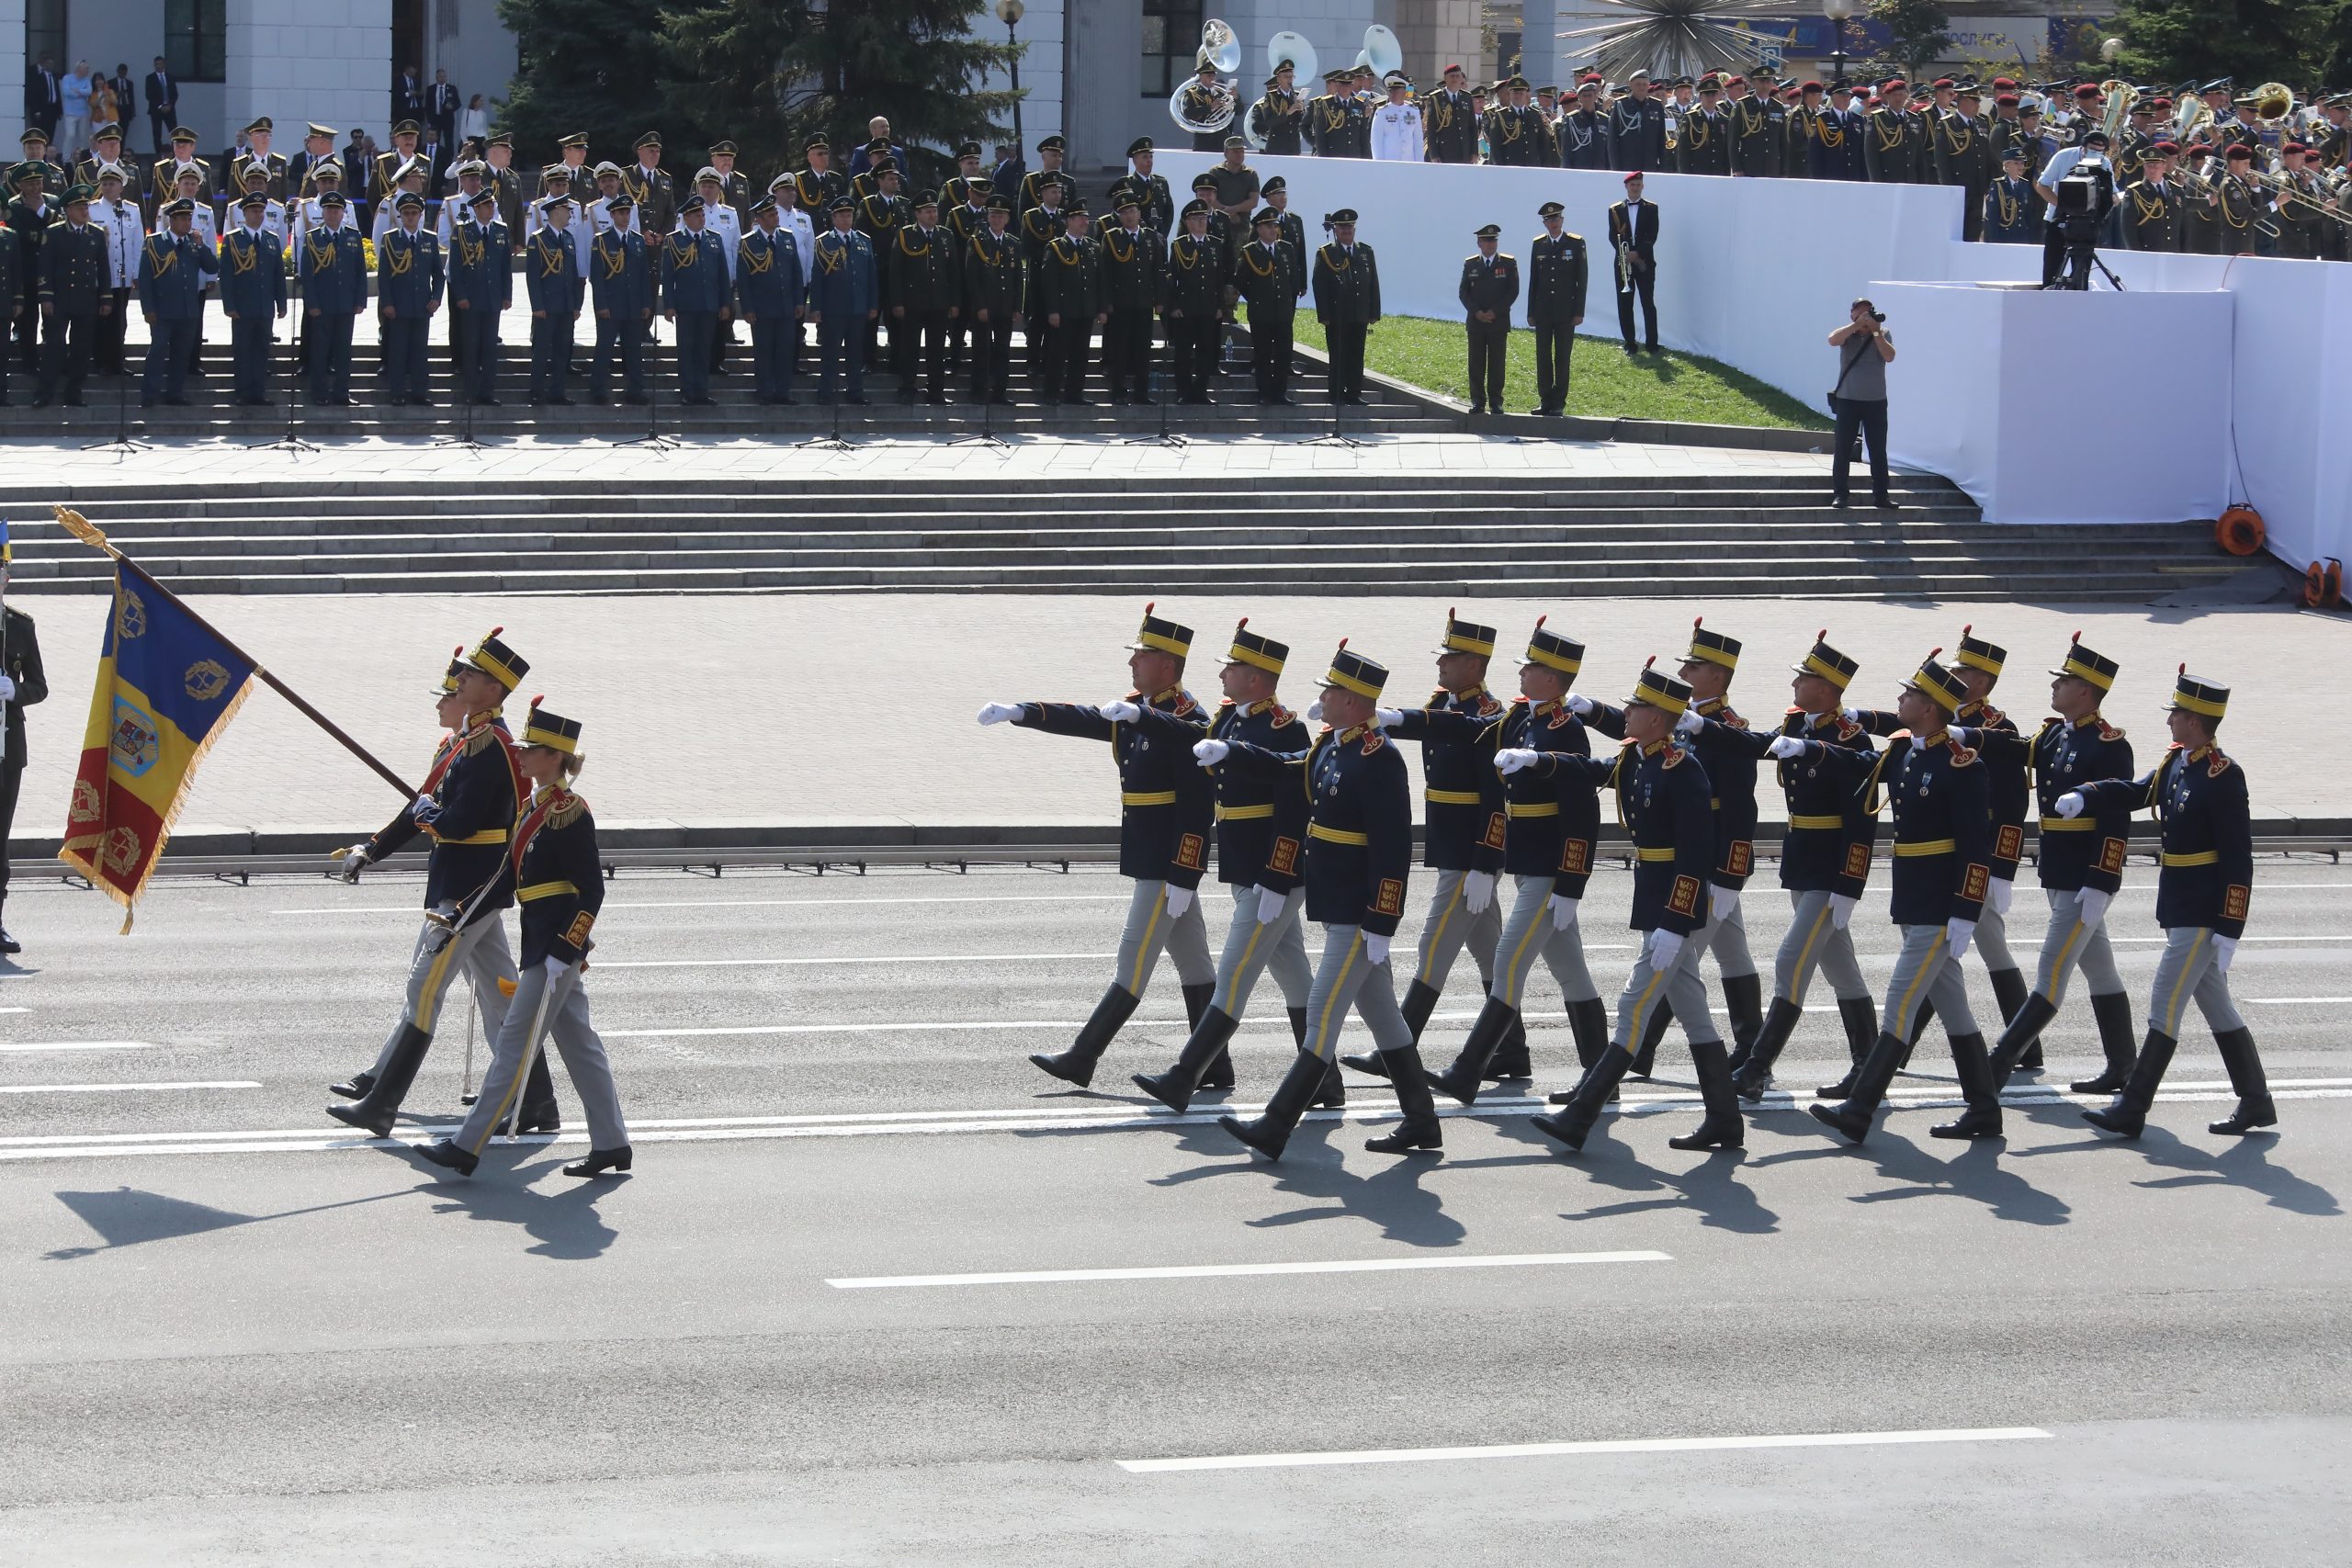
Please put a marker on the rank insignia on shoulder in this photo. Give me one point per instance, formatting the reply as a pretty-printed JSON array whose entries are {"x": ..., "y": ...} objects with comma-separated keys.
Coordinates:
[
  {"x": 1848, "y": 729},
  {"x": 1488, "y": 707},
  {"x": 2218, "y": 766},
  {"x": 1373, "y": 742},
  {"x": 1185, "y": 705},
  {"x": 1281, "y": 717},
  {"x": 1962, "y": 756},
  {"x": 1671, "y": 755},
  {"x": 1562, "y": 718},
  {"x": 1731, "y": 720},
  {"x": 2109, "y": 732},
  {"x": 1992, "y": 714},
  {"x": 480, "y": 741},
  {"x": 568, "y": 811}
]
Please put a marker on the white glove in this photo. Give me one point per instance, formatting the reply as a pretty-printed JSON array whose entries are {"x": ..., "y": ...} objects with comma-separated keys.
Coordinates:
[
  {"x": 2225, "y": 948},
  {"x": 1179, "y": 900},
  {"x": 1841, "y": 908},
  {"x": 1270, "y": 906},
  {"x": 1666, "y": 946},
  {"x": 555, "y": 968},
  {"x": 1962, "y": 932},
  {"x": 1721, "y": 902},
  {"x": 1120, "y": 711},
  {"x": 1959, "y": 733},
  {"x": 1564, "y": 911},
  {"x": 997, "y": 713},
  {"x": 1384, "y": 717},
  {"x": 1691, "y": 723},
  {"x": 1478, "y": 891},
  {"x": 1314, "y": 711},
  {"x": 1375, "y": 948},
  {"x": 2071, "y": 804},
  {"x": 7, "y": 690},
  {"x": 1511, "y": 759},
  {"x": 1209, "y": 753},
  {"x": 354, "y": 860},
  {"x": 2093, "y": 906},
  {"x": 1577, "y": 704},
  {"x": 2000, "y": 892},
  {"x": 1852, "y": 716},
  {"x": 1784, "y": 747}
]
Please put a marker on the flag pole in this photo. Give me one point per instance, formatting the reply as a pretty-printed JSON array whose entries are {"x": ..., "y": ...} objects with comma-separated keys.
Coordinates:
[{"x": 83, "y": 529}]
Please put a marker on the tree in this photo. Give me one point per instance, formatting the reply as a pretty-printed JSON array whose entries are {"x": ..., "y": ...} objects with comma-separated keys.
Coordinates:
[
  {"x": 582, "y": 67},
  {"x": 770, "y": 73},
  {"x": 1917, "y": 29},
  {"x": 2249, "y": 40}
]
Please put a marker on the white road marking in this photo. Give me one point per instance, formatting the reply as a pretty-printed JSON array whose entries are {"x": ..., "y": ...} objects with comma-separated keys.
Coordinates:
[
  {"x": 413, "y": 909},
  {"x": 2289, "y": 1001},
  {"x": 118, "y": 1087},
  {"x": 78, "y": 1044},
  {"x": 1615, "y": 1446},
  {"x": 845, "y": 959},
  {"x": 1226, "y": 1270}
]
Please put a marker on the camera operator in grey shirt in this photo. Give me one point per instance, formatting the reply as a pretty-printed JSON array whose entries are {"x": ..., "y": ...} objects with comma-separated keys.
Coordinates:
[{"x": 1859, "y": 400}]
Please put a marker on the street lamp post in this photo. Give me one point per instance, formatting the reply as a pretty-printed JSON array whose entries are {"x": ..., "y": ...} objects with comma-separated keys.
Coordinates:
[
  {"x": 1010, "y": 13},
  {"x": 1838, "y": 12}
]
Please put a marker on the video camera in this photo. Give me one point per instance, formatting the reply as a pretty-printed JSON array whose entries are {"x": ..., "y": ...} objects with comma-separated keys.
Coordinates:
[{"x": 2085, "y": 198}]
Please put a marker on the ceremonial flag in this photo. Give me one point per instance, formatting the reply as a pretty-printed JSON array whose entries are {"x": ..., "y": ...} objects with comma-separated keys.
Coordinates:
[{"x": 167, "y": 686}]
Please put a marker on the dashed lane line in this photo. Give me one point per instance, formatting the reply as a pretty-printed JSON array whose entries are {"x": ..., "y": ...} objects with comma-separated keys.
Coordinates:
[
  {"x": 1606, "y": 1446},
  {"x": 1238, "y": 1271}
]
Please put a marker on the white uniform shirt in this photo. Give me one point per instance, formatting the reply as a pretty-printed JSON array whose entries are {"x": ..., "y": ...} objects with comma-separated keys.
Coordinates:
[
  {"x": 454, "y": 204},
  {"x": 721, "y": 219},
  {"x": 804, "y": 235},
  {"x": 1396, "y": 132},
  {"x": 121, "y": 222}
]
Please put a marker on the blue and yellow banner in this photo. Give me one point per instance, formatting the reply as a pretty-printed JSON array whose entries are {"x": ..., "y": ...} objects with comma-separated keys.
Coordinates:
[{"x": 167, "y": 687}]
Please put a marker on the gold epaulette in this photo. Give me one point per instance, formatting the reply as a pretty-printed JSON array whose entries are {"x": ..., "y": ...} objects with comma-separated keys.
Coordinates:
[
  {"x": 480, "y": 740},
  {"x": 572, "y": 808}
]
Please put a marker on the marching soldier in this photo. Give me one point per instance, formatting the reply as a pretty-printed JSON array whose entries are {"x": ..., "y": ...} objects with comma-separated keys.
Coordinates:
[
  {"x": 1702, "y": 140},
  {"x": 1347, "y": 301},
  {"x": 2203, "y": 891},
  {"x": 1633, "y": 246},
  {"x": 841, "y": 301},
  {"x": 620, "y": 279},
  {"x": 551, "y": 271},
  {"x": 2012, "y": 213},
  {"x": 1133, "y": 261},
  {"x": 173, "y": 266},
  {"x": 1556, "y": 270},
  {"x": 1262, "y": 827},
  {"x": 1280, "y": 117},
  {"x": 481, "y": 285},
  {"x": 693, "y": 289},
  {"x": 1662, "y": 798},
  {"x": 925, "y": 295},
  {"x": 557, "y": 878},
  {"x": 334, "y": 290},
  {"x": 467, "y": 809},
  {"x": 1451, "y": 124},
  {"x": 1192, "y": 304},
  {"x": 2080, "y": 863},
  {"x": 1979, "y": 668},
  {"x": 1268, "y": 276},
  {"x": 253, "y": 295},
  {"x": 1893, "y": 143},
  {"x": 994, "y": 284},
  {"x": 771, "y": 294},
  {"x": 1489, "y": 287},
  {"x": 1550, "y": 820},
  {"x": 1165, "y": 813},
  {"x": 1159, "y": 201},
  {"x": 409, "y": 279},
  {"x": 648, "y": 186},
  {"x": 1961, "y": 146},
  {"x": 1943, "y": 852},
  {"x": 75, "y": 294},
  {"x": 1339, "y": 124},
  {"x": 1071, "y": 293},
  {"x": 2152, "y": 207}
]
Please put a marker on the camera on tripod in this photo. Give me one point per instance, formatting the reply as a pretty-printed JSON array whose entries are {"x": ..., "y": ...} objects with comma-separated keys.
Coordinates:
[{"x": 2086, "y": 199}]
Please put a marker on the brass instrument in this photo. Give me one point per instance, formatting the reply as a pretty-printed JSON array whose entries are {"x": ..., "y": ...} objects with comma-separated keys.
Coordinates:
[
  {"x": 1624, "y": 266},
  {"x": 2120, "y": 97},
  {"x": 2287, "y": 190},
  {"x": 1222, "y": 50},
  {"x": 2190, "y": 116}
]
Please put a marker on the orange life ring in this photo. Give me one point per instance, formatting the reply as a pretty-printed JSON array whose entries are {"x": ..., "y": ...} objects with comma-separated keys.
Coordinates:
[
  {"x": 2314, "y": 586},
  {"x": 2239, "y": 530}
]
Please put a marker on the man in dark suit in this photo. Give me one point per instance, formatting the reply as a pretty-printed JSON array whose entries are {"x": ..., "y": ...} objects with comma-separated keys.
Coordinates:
[
  {"x": 441, "y": 108},
  {"x": 163, "y": 106},
  {"x": 44, "y": 98},
  {"x": 1633, "y": 227},
  {"x": 408, "y": 95}
]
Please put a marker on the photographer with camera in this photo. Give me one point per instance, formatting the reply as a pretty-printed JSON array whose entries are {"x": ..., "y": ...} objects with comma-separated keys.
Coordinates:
[
  {"x": 2079, "y": 185},
  {"x": 1859, "y": 400}
]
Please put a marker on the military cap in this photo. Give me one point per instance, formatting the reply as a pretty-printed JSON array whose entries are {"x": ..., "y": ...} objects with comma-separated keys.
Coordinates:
[
  {"x": 1827, "y": 662},
  {"x": 840, "y": 203},
  {"x": 978, "y": 185},
  {"x": 1162, "y": 635},
  {"x": 551, "y": 171},
  {"x": 2239, "y": 152},
  {"x": 1050, "y": 182},
  {"x": 182, "y": 208},
  {"x": 2218, "y": 84},
  {"x": 545, "y": 203},
  {"x": 416, "y": 168},
  {"x": 1275, "y": 81},
  {"x": 256, "y": 171},
  {"x": 327, "y": 169},
  {"x": 483, "y": 196},
  {"x": 331, "y": 199},
  {"x": 1335, "y": 76},
  {"x": 577, "y": 138},
  {"x": 1232, "y": 142},
  {"x": 501, "y": 140},
  {"x": 2295, "y": 147},
  {"x": 1204, "y": 181},
  {"x": 1517, "y": 83},
  {"x": 408, "y": 199},
  {"x": 1250, "y": 648},
  {"x": 113, "y": 172},
  {"x": 782, "y": 180},
  {"x": 1452, "y": 71},
  {"x": 185, "y": 175},
  {"x": 1734, "y": 82},
  {"x": 651, "y": 139},
  {"x": 2166, "y": 150},
  {"x": 2014, "y": 152},
  {"x": 1466, "y": 637},
  {"x": 448, "y": 685},
  {"x": 405, "y": 127},
  {"x": 1978, "y": 654},
  {"x": 708, "y": 173},
  {"x": 1490, "y": 231},
  {"x": 2193, "y": 694},
  {"x": 2084, "y": 664},
  {"x": 692, "y": 204},
  {"x": 2006, "y": 100},
  {"x": 1657, "y": 689},
  {"x": 1940, "y": 82},
  {"x": 620, "y": 203},
  {"x": 1589, "y": 79},
  {"x": 1125, "y": 199},
  {"x": 820, "y": 139},
  {"x": 1271, "y": 185},
  {"x": 1395, "y": 79},
  {"x": 2028, "y": 111},
  {"x": 765, "y": 204},
  {"x": 1892, "y": 82},
  {"x": 1266, "y": 215},
  {"x": 878, "y": 168},
  {"x": 972, "y": 150},
  {"x": 315, "y": 129},
  {"x": 1352, "y": 671},
  {"x": 1555, "y": 651},
  {"x": 1712, "y": 648},
  {"x": 1941, "y": 684},
  {"x": 75, "y": 193},
  {"x": 499, "y": 662},
  {"x": 254, "y": 198},
  {"x": 1003, "y": 203},
  {"x": 925, "y": 198},
  {"x": 179, "y": 133},
  {"x": 1053, "y": 144},
  {"x": 607, "y": 167},
  {"x": 2087, "y": 90},
  {"x": 261, "y": 124},
  {"x": 549, "y": 731},
  {"x": 1196, "y": 208},
  {"x": 1549, "y": 209},
  {"x": 1345, "y": 215},
  {"x": 2161, "y": 105},
  {"x": 108, "y": 132},
  {"x": 1633, "y": 175},
  {"x": 718, "y": 148}
]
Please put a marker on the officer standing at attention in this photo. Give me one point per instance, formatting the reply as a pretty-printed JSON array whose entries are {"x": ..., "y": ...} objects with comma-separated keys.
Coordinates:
[
  {"x": 466, "y": 807},
  {"x": 76, "y": 292},
  {"x": 925, "y": 296},
  {"x": 23, "y": 682},
  {"x": 1071, "y": 294},
  {"x": 1358, "y": 858},
  {"x": 771, "y": 293},
  {"x": 1960, "y": 144},
  {"x": 30, "y": 217},
  {"x": 1556, "y": 272},
  {"x": 1633, "y": 258},
  {"x": 1489, "y": 287},
  {"x": 1450, "y": 124},
  {"x": 1165, "y": 812},
  {"x": 2154, "y": 210},
  {"x": 172, "y": 270},
  {"x": 1943, "y": 843},
  {"x": 1347, "y": 301},
  {"x": 409, "y": 278},
  {"x": 620, "y": 276},
  {"x": 1550, "y": 818},
  {"x": 1133, "y": 259},
  {"x": 253, "y": 295},
  {"x": 2012, "y": 213},
  {"x": 1268, "y": 275},
  {"x": 2203, "y": 890},
  {"x": 481, "y": 283},
  {"x": 551, "y": 270},
  {"x": 693, "y": 289},
  {"x": 842, "y": 299},
  {"x": 994, "y": 288},
  {"x": 2080, "y": 861},
  {"x": 1663, "y": 802},
  {"x": 1192, "y": 304},
  {"x": 1260, "y": 833},
  {"x": 334, "y": 290},
  {"x": 559, "y": 879}
]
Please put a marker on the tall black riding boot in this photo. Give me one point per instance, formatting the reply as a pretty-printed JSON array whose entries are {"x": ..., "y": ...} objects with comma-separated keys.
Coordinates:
[
  {"x": 1077, "y": 1064},
  {"x": 1269, "y": 1132},
  {"x": 2129, "y": 1114},
  {"x": 1420, "y": 1000},
  {"x": 1919, "y": 1022},
  {"x": 1218, "y": 1074},
  {"x": 2113, "y": 1011},
  {"x": 2021, "y": 1035},
  {"x": 1723, "y": 1128},
  {"x": 1333, "y": 1094},
  {"x": 1860, "y": 1015},
  {"x": 1750, "y": 1081},
  {"x": 1978, "y": 1087},
  {"x": 1744, "y": 999},
  {"x": 1461, "y": 1080},
  {"x": 1589, "y": 1022},
  {"x": 1852, "y": 1116},
  {"x": 1512, "y": 1060},
  {"x": 1418, "y": 1130},
  {"x": 1573, "y": 1123},
  {"x": 2256, "y": 1107},
  {"x": 1645, "y": 1057},
  {"x": 1173, "y": 1088},
  {"x": 374, "y": 1111},
  {"x": 2009, "y": 991}
]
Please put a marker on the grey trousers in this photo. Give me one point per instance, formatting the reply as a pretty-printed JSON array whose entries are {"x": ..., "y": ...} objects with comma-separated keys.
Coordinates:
[
  {"x": 1728, "y": 940},
  {"x": 1529, "y": 934},
  {"x": 1451, "y": 926},
  {"x": 575, "y": 1039},
  {"x": 1347, "y": 977},
  {"x": 1150, "y": 930},
  {"x": 2067, "y": 945},
  {"x": 1815, "y": 942},
  {"x": 1251, "y": 949},
  {"x": 1992, "y": 939},
  {"x": 1924, "y": 971},
  {"x": 1677, "y": 985},
  {"x": 480, "y": 950},
  {"x": 2186, "y": 970}
]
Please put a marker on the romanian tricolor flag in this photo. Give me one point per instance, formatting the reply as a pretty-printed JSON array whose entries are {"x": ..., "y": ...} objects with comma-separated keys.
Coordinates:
[{"x": 167, "y": 687}]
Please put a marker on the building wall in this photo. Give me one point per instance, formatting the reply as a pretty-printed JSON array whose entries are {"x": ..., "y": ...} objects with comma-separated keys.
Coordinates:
[
  {"x": 466, "y": 38},
  {"x": 11, "y": 69},
  {"x": 1044, "y": 54},
  {"x": 297, "y": 60}
]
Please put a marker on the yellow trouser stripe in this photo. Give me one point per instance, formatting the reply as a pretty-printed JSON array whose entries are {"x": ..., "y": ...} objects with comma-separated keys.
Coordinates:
[
  {"x": 1244, "y": 813},
  {"x": 2069, "y": 824},
  {"x": 1927, "y": 966},
  {"x": 1143, "y": 948},
  {"x": 1515, "y": 976},
  {"x": 2180, "y": 986},
  {"x": 546, "y": 890},
  {"x": 1434, "y": 932},
  {"x": 1249, "y": 950},
  {"x": 1804, "y": 955},
  {"x": 1638, "y": 1026},
  {"x": 2201, "y": 857},
  {"x": 1818, "y": 824},
  {"x": 1339, "y": 988},
  {"x": 428, "y": 999},
  {"x": 1531, "y": 808},
  {"x": 1337, "y": 835},
  {"x": 1154, "y": 797},
  {"x": 2056, "y": 979},
  {"x": 1927, "y": 847},
  {"x": 1450, "y": 796},
  {"x": 506, "y": 1101}
]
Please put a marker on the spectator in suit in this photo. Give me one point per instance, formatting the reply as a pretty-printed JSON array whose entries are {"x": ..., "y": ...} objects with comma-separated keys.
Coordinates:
[
  {"x": 876, "y": 130},
  {"x": 163, "y": 106},
  {"x": 126, "y": 96},
  {"x": 44, "y": 97},
  {"x": 441, "y": 108},
  {"x": 434, "y": 150},
  {"x": 408, "y": 95}
]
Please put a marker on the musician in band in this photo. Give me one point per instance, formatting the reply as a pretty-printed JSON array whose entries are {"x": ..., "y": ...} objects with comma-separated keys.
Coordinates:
[
  {"x": 1637, "y": 128},
  {"x": 1206, "y": 107},
  {"x": 1633, "y": 245},
  {"x": 1279, "y": 119}
]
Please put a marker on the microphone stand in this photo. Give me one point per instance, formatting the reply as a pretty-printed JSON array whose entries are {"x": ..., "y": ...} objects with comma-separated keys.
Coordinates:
[
  {"x": 290, "y": 442},
  {"x": 652, "y": 436},
  {"x": 988, "y": 435}
]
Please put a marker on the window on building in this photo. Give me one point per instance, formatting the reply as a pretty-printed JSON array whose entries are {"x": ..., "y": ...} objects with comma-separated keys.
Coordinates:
[
  {"x": 1172, "y": 37},
  {"x": 45, "y": 34},
  {"x": 196, "y": 40}
]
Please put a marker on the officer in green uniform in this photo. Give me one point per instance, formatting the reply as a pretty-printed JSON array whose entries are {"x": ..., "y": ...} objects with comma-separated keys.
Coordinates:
[
  {"x": 925, "y": 294},
  {"x": 1035, "y": 228},
  {"x": 30, "y": 214},
  {"x": 957, "y": 190},
  {"x": 1347, "y": 301},
  {"x": 1892, "y": 140},
  {"x": 1269, "y": 275},
  {"x": 1049, "y": 167},
  {"x": 1071, "y": 294},
  {"x": 1755, "y": 129},
  {"x": 883, "y": 214},
  {"x": 2154, "y": 209},
  {"x": 1489, "y": 287},
  {"x": 1165, "y": 812},
  {"x": 1192, "y": 304},
  {"x": 1703, "y": 142},
  {"x": 1159, "y": 201},
  {"x": 994, "y": 287},
  {"x": 650, "y": 187},
  {"x": 1134, "y": 257},
  {"x": 75, "y": 292},
  {"x": 1961, "y": 146},
  {"x": 1556, "y": 274}
]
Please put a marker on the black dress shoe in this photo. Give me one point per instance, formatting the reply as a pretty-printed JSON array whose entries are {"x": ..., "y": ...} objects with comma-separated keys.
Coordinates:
[
  {"x": 1888, "y": 503},
  {"x": 448, "y": 1156},
  {"x": 355, "y": 1087},
  {"x": 547, "y": 1121},
  {"x": 600, "y": 1161},
  {"x": 375, "y": 1123},
  {"x": 1841, "y": 501},
  {"x": 9, "y": 943}
]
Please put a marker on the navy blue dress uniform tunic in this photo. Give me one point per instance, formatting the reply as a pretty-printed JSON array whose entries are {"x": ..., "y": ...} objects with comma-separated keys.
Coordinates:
[
  {"x": 1261, "y": 821},
  {"x": 2077, "y": 851},
  {"x": 1727, "y": 755},
  {"x": 1827, "y": 848},
  {"x": 475, "y": 783},
  {"x": 1360, "y": 842},
  {"x": 559, "y": 879},
  {"x": 1165, "y": 801},
  {"x": 1463, "y": 798},
  {"x": 1666, "y": 806},
  {"x": 1943, "y": 824},
  {"x": 2199, "y": 797}
]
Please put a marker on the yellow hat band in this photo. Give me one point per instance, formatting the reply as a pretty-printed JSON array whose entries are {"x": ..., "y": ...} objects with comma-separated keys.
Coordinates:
[
  {"x": 2195, "y": 703},
  {"x": 1826, "y": 670},
  {"x": 1978, "y": 662},
  {"x": 1664, "y": 702},
  {"x": 2103, "y": 680},
  {"x": 553, "y": 741},
  {"x": 496, "y": 669},
  {"x": 1559, "y": 661},
  {"x": 1166, "y": 644},
  {"x": 1265, "y": 661},
  {"x": 1454, "y": 643},
  {"x": 1728, "y": 660},
  {"x": 1360, "y": 688}
]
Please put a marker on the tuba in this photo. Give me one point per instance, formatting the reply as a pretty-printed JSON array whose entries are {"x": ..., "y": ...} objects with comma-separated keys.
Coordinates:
[
  {"x": 1222, "y": 50},
  {"x": 2189, "y": 116},
  {"x": 2120, "y": 97}
]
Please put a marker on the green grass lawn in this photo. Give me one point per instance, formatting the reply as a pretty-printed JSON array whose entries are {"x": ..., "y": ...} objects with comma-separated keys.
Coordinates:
[{"x": 1603, "y": 382}]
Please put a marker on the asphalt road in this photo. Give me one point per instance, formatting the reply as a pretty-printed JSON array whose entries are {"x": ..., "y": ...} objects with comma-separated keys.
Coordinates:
[{"x": 234, "y": 1335}]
